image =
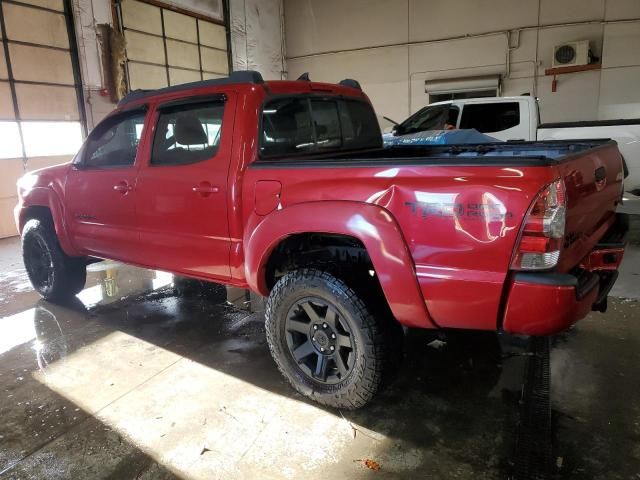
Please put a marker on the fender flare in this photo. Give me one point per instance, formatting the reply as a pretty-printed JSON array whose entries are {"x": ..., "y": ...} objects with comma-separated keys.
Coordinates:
[
  {"x": 48, "y": 198},
  {"x": 372, "y": 225}
]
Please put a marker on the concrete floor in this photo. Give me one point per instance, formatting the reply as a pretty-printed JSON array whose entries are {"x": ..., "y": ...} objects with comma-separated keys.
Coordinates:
[{"x": 132, "y": 381}]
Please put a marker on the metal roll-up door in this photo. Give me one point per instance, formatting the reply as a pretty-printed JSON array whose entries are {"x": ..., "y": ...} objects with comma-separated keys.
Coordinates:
[
  {"x": 41, "y": 106},
  {"x": 167, "y": 47}
]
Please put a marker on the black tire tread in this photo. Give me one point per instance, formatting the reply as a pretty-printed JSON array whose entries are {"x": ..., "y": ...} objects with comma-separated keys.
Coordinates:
[
  {"x": 70, "y": 272},
  {"x": 376, "y": 354}
]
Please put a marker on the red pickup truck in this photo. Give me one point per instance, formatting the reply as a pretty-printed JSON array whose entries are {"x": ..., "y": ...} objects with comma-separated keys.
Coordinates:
[{"x": 283, "y": 187}]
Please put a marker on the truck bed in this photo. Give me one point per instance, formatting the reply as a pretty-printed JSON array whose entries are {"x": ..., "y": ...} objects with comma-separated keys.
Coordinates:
[
  {"x": 460, "y": 208},
  {"x": 487, "y": 154},
  {"x": 591, "y": 123}
]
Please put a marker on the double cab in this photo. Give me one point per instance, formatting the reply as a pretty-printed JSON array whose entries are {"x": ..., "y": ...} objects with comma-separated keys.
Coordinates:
[{"x": 283, "y": 187}]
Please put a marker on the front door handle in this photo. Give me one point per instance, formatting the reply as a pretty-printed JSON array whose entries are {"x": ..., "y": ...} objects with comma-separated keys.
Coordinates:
[
  {"x": 205, "y": 189},
  {"x": 123, "y": 187}
]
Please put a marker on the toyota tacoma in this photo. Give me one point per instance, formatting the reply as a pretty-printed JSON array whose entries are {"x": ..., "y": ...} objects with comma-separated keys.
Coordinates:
[{"x": 283, "y": 187}]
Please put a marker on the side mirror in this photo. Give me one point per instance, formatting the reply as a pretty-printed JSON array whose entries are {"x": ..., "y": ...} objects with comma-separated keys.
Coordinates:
[{"x": 397, "y": 129}]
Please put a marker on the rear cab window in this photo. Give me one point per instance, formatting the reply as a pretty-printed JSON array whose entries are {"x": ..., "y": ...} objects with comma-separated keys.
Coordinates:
[{"x": 304, "y": 124}]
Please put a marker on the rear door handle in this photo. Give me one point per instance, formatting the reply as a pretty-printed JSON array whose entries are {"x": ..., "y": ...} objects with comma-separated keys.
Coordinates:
[
  {"x": 205, "y": 189},
  {"x": 123, "y": 187}
]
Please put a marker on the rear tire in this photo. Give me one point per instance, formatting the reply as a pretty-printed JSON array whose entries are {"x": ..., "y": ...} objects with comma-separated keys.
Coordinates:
[
  {"x": 324, "y": 340},
  {"x": 53, "y": 274}
]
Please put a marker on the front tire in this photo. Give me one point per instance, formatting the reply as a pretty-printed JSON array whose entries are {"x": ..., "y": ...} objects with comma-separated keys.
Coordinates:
[
  {"x": 53, "y": 274},
  {"x": 324, "y": 340}
]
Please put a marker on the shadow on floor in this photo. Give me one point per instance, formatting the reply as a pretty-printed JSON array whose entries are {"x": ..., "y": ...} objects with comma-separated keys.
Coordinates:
[{"x": 451, "y": 410}]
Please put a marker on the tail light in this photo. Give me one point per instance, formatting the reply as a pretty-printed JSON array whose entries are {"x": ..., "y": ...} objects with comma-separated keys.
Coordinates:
[{"x": 543, "y": 231}]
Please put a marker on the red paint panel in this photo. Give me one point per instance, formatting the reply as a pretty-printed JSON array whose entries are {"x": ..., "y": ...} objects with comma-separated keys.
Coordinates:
[
  {"x": 591, "y": 205},
  {"x": 372, "y": 225},
  {"x": 267, "y": 196},
  {"x": 460, "y": 224},
  {"x": 46, "y": 188},
  {"x": 534, "y": 309}
]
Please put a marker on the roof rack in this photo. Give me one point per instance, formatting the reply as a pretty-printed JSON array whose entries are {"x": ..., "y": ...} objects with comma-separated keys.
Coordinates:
[{"x": 241, "y": 76}]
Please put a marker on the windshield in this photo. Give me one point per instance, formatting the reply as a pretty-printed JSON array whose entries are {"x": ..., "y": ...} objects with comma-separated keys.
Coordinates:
[{"x": 436, "y": 117}]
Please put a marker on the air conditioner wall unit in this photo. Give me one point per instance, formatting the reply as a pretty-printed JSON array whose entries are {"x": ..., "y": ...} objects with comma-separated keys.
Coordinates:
[{"x": 571, "y": 54}]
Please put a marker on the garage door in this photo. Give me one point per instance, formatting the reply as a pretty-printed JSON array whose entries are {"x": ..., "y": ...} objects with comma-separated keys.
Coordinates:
[
  {"x": 166, "y": 47},
  {"x": 40, "y": 94}
]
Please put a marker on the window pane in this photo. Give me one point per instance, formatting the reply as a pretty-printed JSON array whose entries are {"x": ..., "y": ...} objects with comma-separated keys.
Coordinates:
[
  {"x": 114, "y": 143},
  {"x": 326, "y": 123},
  {"x": 490, "y": 117},
  {"x": 187, "y": 134},
  {"x": 286, "y": 127},
  {"x": 439, "y": 117},
  {"x": 42, "y": 139},
  {"x": 360, "y": 127},
  {"x": 10, "y": 145}
]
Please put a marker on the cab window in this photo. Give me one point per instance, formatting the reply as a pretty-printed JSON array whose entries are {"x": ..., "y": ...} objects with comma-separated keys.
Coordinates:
[
  {"x": 306, "y": 124},
  {"x": 114, "y": 143},
  {"x": 187, "y": 133}
]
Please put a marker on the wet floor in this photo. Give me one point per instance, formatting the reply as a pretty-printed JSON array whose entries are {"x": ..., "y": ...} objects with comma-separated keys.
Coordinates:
[{"x": 133, "y": 380}]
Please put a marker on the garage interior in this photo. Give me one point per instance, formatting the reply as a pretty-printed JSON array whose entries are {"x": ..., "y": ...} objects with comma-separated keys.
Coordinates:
[{"x": 136, "y": 380}]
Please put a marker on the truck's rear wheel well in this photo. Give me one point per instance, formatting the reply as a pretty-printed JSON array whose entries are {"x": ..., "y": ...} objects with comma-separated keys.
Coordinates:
[
  {"x": 343, "y": 256},
  {"x": 346, "y": 258}
]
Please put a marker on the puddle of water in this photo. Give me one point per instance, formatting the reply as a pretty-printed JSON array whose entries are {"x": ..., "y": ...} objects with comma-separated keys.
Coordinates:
[{"x": 108, "y": 282}]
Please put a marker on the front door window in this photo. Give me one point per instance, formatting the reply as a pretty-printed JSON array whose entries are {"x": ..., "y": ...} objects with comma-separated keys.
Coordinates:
[{"x": 114, "y": 143}]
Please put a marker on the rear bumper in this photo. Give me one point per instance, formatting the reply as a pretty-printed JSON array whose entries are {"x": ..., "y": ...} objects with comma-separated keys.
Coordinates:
[{"x": 547, "y": 303}]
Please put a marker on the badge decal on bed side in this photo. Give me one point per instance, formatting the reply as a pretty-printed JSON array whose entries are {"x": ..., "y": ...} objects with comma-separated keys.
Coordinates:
[{"x": 472, "y": 210}]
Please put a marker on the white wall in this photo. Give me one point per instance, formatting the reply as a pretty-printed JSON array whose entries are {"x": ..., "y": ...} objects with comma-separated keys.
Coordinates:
[
  {"x": 88, "y": 14},
  {"x": 393, "y": 46},
  {"x": 256, "y": 37}
]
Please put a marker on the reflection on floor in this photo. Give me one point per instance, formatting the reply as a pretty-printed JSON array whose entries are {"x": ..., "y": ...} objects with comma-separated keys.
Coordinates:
[{"x": 134, "y": 381}]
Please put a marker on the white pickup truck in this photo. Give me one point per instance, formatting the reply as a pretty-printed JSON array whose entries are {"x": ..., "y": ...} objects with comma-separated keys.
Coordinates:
[{"x": 518, "y": 118}]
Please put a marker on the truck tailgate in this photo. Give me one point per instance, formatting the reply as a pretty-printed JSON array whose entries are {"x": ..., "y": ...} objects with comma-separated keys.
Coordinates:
[
  {"x": 625, "y": 132},
  {"x": 593, "y": 181}
]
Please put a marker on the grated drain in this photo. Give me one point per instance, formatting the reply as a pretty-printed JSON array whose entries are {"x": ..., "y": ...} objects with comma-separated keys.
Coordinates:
[{"x": 533, "y": 450}]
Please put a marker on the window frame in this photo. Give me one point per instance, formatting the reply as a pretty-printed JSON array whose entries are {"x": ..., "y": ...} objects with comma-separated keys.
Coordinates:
[
  {"x": 463, "y": 94},
  {"x": 209, "y": 98},
  {"x": 80, "y": 160},
  {"x": 308, "y": 96}
]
